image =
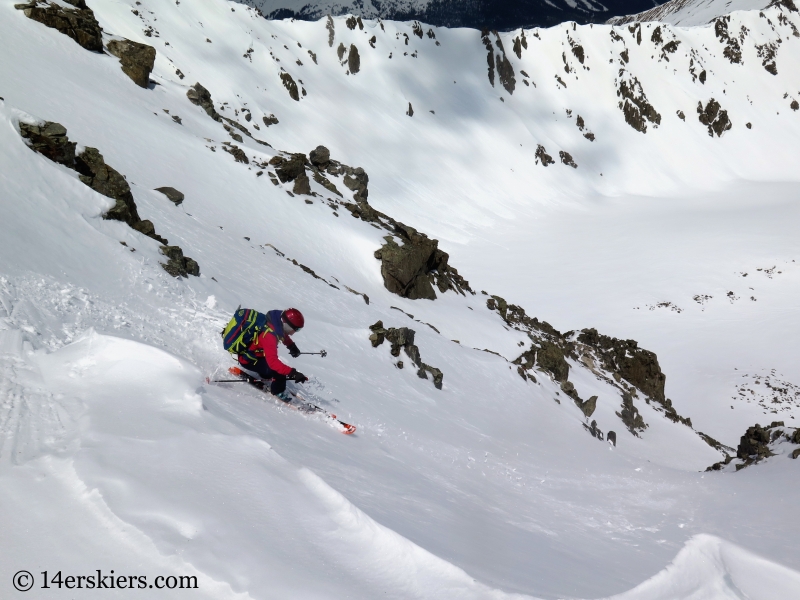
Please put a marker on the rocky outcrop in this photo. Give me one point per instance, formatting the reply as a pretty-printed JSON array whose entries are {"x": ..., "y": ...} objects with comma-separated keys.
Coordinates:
[
  {"x": 630, "y": 415},
  {"x": 137, "y": 59},
  {"x": 174, "y": 195},
  {"x": 635, "y": 106},
  {"x": 201, "y": 97},
  {"x": 497, "y": 59},
  {"x": 353, "y": 60},
  {"x": 714, "y": 117},
  {"x": 78, "y": 23},
  {"x": 289, "y": 169},
  {"x": 411, "y": 263},
  {"x": 624, "y": 357},
  {"x": 291, "y": 86},
  {"x": 759, "y": 443},
  {"x": 403, "y": 338},
  {"x": 50, "y": 139}
]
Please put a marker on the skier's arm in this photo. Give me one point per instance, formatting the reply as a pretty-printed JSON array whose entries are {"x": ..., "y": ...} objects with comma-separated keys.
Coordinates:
[{"x": 269, "y": 344}]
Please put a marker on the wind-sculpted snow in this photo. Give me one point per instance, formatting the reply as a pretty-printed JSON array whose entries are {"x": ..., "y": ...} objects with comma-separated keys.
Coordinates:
[{"x": 573, "y": 187}]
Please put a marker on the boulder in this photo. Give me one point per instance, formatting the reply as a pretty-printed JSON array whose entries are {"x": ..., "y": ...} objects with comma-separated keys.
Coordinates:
[
  {"x": 79, "y": 23},
  {"x": 201, "y": 97},
  {"x": 174, "y": 195},
  {"x": 105, "y": 180},
  {"x": 320, "y": 157},
  {"x": 50, "y": 139},
  {"x": 589, "y": 407},
  {"x": 137, "y": 59},
  {"x": 178, "y": 265}
]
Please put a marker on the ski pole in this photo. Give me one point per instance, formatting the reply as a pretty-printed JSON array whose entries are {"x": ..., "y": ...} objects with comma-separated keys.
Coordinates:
[{"x": 322, "y": 353}]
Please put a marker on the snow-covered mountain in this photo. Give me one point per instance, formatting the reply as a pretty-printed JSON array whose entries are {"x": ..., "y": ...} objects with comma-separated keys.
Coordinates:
[
  {"x": 527, "y": 203},
  {"x": 503, "y": 15},
  {"x": 692, "y": 12}
]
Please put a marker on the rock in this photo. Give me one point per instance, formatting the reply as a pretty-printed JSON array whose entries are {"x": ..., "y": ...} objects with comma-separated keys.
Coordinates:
[
  {"x": 353, "y": 60},
  {"x": 50, "y": 139},
  {"x": 237, "y": 153},
  {"x": 147, "y": 228},
  {"x": 594, "y": 430},
  {"x": 542, "y": 155},
  {"x": 754, "y": 443},
  {"x": 635, "y": 106},
  {"x": 612, "y": 437},
  {"x": 550, "y": 357},
  {"x": 795, "y": 453},
  {"x": 291, "y": 168},
  {"x": 201, "y": 97},
  {"x": 137, "y": 59},
  {"x": 178, "y": 265},
  {"x": 270, "y": 120},
  {"x": 290, "y": 86},
  {"x": 566, "y": 158},
  {"x": 402, "y": 338},
  {"x": 79, "y": 23},
  {"x": 320, "y": 157},
  {"x": 174, "y": 195},
  {"x": 105, "y": 180},
  {"x": 630, "y": 415},
  {"x": 714, "y": 118},
  {"x": 410, "y": 111},
  {"x": 405, "y": 269},
  {"x": 624, "y": 357},
  {"x": 589, "y": 407},
  {"x": 302, "y": 185},
  {"x": 357, "y": 181}
]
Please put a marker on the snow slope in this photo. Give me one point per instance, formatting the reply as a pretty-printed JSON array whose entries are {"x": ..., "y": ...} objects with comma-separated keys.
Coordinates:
[{"x": 116, "y": 455}]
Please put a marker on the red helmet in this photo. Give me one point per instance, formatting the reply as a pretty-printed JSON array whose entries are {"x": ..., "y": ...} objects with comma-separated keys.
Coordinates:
[{"x": 293, "y": 318}]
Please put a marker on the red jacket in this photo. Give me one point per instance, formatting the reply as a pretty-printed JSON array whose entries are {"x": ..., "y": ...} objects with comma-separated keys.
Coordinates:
[{"x": 265, "y": 345}]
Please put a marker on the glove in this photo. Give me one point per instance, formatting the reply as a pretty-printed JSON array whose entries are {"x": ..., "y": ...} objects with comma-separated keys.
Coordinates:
[
  {"x": 294, "y": 350},
  {"x": 297, "y": 376}
]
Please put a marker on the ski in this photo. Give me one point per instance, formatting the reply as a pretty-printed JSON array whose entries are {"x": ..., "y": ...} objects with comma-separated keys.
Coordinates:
[{"x": 303, "y": 404}]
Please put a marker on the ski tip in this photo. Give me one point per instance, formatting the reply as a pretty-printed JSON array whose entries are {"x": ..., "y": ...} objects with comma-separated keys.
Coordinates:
[
  {"x": 348, "y": 429},
  {"x": 208, "y": 379},
  {"x": 235, "y": 371}
]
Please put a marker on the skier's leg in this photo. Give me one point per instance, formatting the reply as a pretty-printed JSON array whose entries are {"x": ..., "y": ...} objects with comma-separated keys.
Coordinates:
[{"x": 278, "y": 384}]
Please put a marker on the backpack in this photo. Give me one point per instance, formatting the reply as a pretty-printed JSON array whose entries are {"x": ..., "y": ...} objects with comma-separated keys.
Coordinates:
[{"x": 241, "y": 330}]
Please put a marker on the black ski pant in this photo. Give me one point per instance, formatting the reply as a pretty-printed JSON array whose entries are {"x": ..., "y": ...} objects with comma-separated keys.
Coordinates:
[{"x": 259, "y": 365}]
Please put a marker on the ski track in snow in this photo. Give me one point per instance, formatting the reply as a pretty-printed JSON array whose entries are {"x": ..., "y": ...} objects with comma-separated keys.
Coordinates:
[{"x": 115, "y": 455}]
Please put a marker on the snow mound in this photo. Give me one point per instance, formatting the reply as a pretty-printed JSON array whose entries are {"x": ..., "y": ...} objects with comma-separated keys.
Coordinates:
[{"x": 709, "y": 568}]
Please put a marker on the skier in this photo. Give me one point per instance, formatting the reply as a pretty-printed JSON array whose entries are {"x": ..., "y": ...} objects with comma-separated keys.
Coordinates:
[{"x": 261, "y": 360}]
